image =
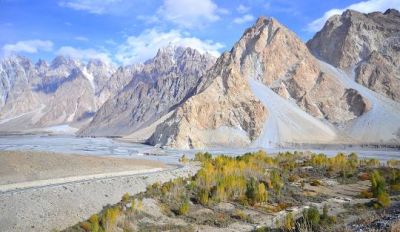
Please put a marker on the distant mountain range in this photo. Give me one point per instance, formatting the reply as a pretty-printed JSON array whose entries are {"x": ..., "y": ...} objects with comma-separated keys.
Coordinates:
[{"x": 342, "y": 87}]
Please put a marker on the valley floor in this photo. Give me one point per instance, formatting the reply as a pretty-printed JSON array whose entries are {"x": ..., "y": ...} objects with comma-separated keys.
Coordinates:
[{"x": 44, "y": 191}]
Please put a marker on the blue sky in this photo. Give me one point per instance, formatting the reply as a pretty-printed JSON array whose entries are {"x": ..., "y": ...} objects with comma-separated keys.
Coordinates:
[{"x": 131, "y": 31}]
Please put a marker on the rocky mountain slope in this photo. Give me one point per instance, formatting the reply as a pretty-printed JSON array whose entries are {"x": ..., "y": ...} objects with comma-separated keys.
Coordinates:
[
  {"x": 252, "y": 98},
  {"x": 369, "y": 44},
  {"x": 270, "y": 89},
  {"x": 155, "y": 89},
  {"x": 41, "y": 95}
]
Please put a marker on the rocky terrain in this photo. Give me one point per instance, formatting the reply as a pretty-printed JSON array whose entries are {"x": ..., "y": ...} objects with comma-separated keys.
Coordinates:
[
  {"x": 342, "y": 87},
  {"x": 39, "y": 95},
  {"x": 155, "y": 89},
  {"x": 262, "y": 100},
  {"x": 369, "y": 44}
]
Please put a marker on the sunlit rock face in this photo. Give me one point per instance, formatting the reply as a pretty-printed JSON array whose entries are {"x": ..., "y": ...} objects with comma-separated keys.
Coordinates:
[
  {"x": 369, "y": 44},
  {"x": 226, "y": 111}
]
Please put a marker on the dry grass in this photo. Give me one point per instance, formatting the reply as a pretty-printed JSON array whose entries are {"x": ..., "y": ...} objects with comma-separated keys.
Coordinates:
[{"x": 395, "y": 227}]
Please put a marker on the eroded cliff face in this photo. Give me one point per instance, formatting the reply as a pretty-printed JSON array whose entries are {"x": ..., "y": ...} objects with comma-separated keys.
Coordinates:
[
  {"x": 155, "y": 89},
  {"x": 223, "y": 112},
  {"x": 226, "y": 112},
  {"x": 271, "y": 53},
  {"x": 368, "y": 43},
  {"x": 41, "y": 95}
]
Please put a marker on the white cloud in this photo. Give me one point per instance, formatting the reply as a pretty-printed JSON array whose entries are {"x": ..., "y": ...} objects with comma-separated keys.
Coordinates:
[
  {"x": 190, "y": 13},
  {"x": 84, "y": 54},
  {"x": 81, "y": 38},
  {"x": 92, "y": 6},
  {"x": 29, "y": 46},
  {"x": 364, "y": 7},
  {"x": 144, "y": 46},
  {"x": 241, "y": 9},
  {"x": 244, "y": 19}
]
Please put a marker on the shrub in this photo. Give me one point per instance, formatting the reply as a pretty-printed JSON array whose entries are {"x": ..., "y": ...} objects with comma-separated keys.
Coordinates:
[
  {"x": 133, "y": 204},
  {"x": 239, "y": 214},
  {"x": 276, "y": 182},
  {"x": 125, "y": 198},
  {"x": 203, "y": 197},
  {"x": 377, "y": 183},
  {"x": 383, "y": 200},
  {"x": 110, "y": 218},
  {"x": 184, "y": 208},
  {"x": 94, "y": 223},
  {"x": 262, "y": 194},
  {"x": 85, "y": 226},
  {"x": 251, "y": 191},
  {"x": 289, "y": 222},
  {"x": 202, "y": 156},
  {"x": 312, "y": 216},
  {"x": 366, "y": 194}
]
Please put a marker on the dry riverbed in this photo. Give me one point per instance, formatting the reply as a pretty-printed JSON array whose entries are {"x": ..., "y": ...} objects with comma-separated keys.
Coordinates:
[{"x": 54, "y": 191}]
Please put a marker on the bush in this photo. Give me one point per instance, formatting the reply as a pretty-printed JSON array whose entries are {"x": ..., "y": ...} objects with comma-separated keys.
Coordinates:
[
  {"x": 289, "y": 222},
  {"x": 184, "y": 208},
  {"x": 383, "y": 200},
  {"x": 239, "y": 214},
  {"x": 94, "y": 223},
  {"x": 203, "y": 197},
  {"x": 262, "y": 194},
  {"x": 366, "y": 194},
  {"x": 276, "y": 182},
  {"x": 85, "y": 226},
  {"x": 377, "y": 184},
  {"x": 109, "y": 218},
  {"x": 202, "y": 156},
  {"x": 256, "y": 192},
  {"x": 312, "y": 215},
  {"x": 125, "y": 198}
]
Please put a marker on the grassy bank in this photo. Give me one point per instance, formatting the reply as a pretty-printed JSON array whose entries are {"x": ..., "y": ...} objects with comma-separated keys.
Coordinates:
[{"x": 287, "y": 192}]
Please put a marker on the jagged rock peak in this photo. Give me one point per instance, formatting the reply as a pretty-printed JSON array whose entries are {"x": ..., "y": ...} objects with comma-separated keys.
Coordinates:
[
  {"x": 369, "y": 44},
  {"x": 347, "y": 39},
  {"x": 41, "y": 63},
  {"x": 61, "y": 60},
  {"x": 392, "y": 11}
]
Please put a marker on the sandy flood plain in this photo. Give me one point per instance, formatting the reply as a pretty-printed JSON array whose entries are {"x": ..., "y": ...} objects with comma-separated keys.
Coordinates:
[
  {"x": 22, "y": 166},
  {"x": 55, "y": 191}
]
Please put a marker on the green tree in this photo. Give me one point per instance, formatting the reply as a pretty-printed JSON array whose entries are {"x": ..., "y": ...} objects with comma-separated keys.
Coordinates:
[
  {"x": 276, "y": 182},
  {"x": 378, "y": 183},
  {"x": 251, "y": 191}
]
